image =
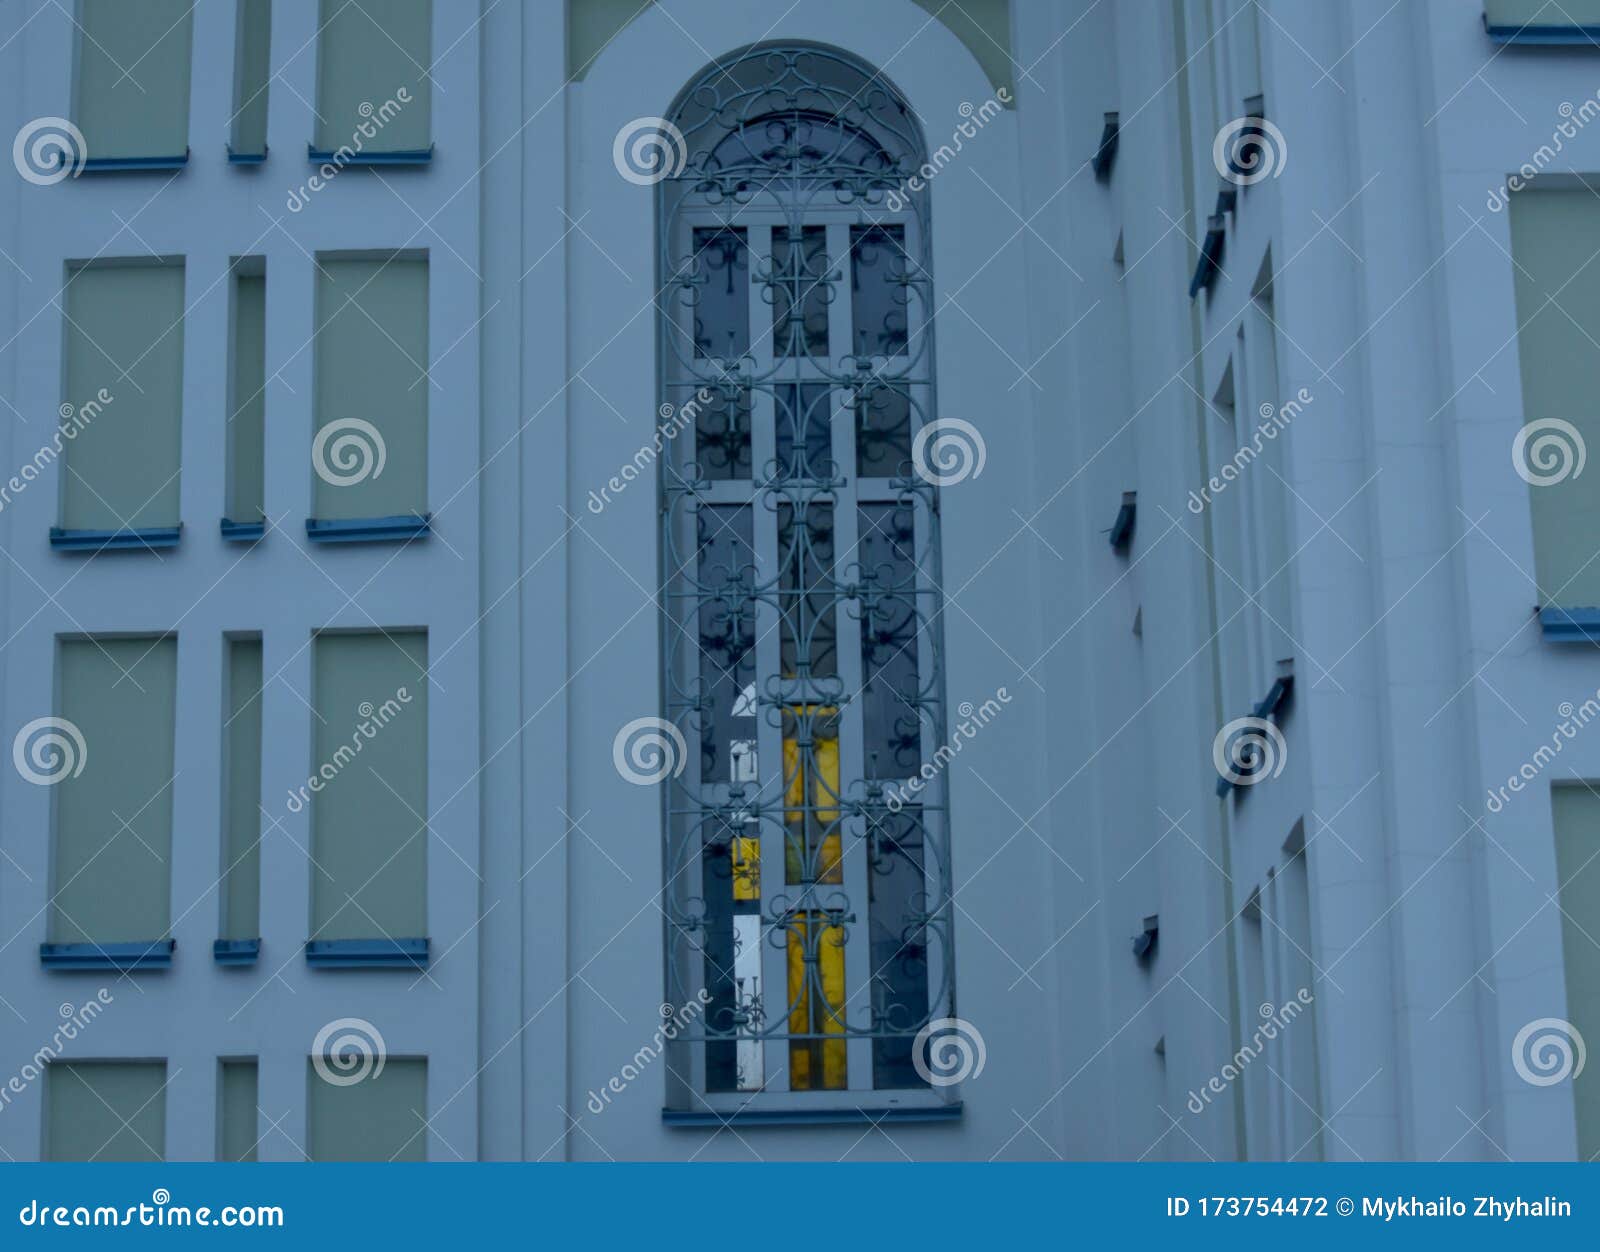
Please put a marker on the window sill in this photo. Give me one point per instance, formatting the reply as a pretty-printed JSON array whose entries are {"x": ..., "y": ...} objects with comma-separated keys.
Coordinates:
[
  {"x": 122, "y": 165},
  {"x": 246, "y": 158},
  {"x": 1534, "y": 35},
  {"x": 1574, "y": 625},
  {"x": 413, "y": 156},
  {"x": 847, "y": 1116},
  {"x": 243, "y": 532},
  {"x": 68, "y": 540},
  {"x": 236, "y": 951},
  {"x": 369, "y": 529},
  {"x": 367, "y": 953},
  {"x": 120, "y": 956}
]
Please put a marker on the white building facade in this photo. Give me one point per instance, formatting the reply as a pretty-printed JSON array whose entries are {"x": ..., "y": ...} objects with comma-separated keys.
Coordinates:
[{"x": 341, "y": 641}]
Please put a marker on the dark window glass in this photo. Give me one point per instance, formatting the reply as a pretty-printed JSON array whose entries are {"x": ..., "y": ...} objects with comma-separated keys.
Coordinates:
[
  {"x": 878, "y": 289},
  {"x": 720, "y": 293}
]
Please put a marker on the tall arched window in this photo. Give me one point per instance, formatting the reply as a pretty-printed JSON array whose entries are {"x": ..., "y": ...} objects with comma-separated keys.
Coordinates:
[{"x": 808, "y": 878}]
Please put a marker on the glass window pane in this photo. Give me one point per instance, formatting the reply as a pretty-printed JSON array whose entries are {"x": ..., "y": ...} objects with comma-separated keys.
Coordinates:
[
  {"x": 897, "y": 896},
  {"x": 236, "y": 1112},
  {"x": 114, "y": 816},
  {"x": 722, "y": 434},
  {"x": 800, "y": 292},
  {"x": 370, "y": 811},
  {"x": 124, "y": 349},
  {"x": 370, "y": 446},
  {"x": 241, "y": 739},
  {"x": 248, "y": 401},
  {"x": 883, "y": 431},
  {"x": 133, "y": 77},
  {"x": 803, "y": 417},
  {"x": 808, "y": 635},
  {"x": 374, "y": 93},
  {"x": 106, "y": 1111},
  {"x": 252, "y": 77},
  {"x": 891, "y": 708},
  {"x": 816, "y": 992},
  {"x": 381, "y": 1118},
  {"x": 879, "y": 293},
  {"x": 719, "y": 291}
]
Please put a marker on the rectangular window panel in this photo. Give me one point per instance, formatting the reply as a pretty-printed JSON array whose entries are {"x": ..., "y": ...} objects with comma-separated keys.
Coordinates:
[
  {"x": 1576, "y": 812},
  {"x": 236, "y": 1111},
  {"x": 370, "y": 800},
  {"x": 808, "y": 634},
  {"x": 721, "y": 433},
  {"x": 241, "y": 740},
  {"x": 380, "y": 1118},
  {"x": 113, "y": 856},
  {"x": 800, "y": 292},
  {"x": 252, "y": 76},
  {"x": 124, "y": 355},
  {"x": 374, "y": 93},
  {"x": 1558, "y": 300},
  {"x": 883, "y": 431},
  {"x": 247, "y": 385},
  {"x": 133, "y": 77},
  {"x": 106, "y": 1111},
  {"x": 370, "y": 446},
  {"x": 721, "y": 295},
  {"x": 817, "y": 1060},
  {"x": 803, "y": 431},
  {"x": 879, "y": 294}
]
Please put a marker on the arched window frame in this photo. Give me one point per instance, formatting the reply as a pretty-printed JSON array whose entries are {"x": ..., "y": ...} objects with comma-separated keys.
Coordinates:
[{"x": 796, "y": 855}]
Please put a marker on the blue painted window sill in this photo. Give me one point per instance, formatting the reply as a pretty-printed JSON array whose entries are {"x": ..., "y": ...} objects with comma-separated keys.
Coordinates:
[
  {"x": 120, "y": 956},
  {"x": 1574, "y": 625},
  {"x": 117, "y": 165},
  {"x": 1210, "y": 263},
  {"x": 369, "y": 529},
  {"x": 367, "y": 953},
  {"x": 246, "y": 158},
  {"x": 413, "y": 156},
  {"x": 811, "y": 1117},
  {"x": 1533, "y": 34},
  {"x": 243, "y": 532},
  {"x": 236, "y": 951},
  {"x": 68, "y": 540}
]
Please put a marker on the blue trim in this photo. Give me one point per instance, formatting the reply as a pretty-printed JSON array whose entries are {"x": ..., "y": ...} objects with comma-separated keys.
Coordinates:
[
  {"x": 1569, "y": 35},
  {"x": 413, "y": 156},
  {"x": 115, "y": 165},
  {"x": 123, "y": 956},
  {"x": 1105, "y": 155},
  {"x": 246, "y": 158},
  {"x": 810, "y": 1117},
  {"x": 236, "y": 951},
  {"x": 243, "y": 532},
  {"x": 369, "y": 529},
  {"x": 68, "y": 540},
  {"x": 1122, "y": 528},
  {"x": 1210, "y": 263},
  {"x": 1575, "y": 625},
  {"x": 367, "y": 953}
]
